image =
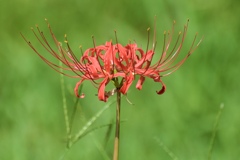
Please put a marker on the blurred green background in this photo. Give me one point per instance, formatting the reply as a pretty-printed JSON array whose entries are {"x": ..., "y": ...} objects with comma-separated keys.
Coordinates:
[{"x": 32, "y": 123}]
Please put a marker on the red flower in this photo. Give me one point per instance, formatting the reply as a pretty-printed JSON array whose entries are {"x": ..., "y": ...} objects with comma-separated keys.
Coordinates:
[{"x": 116, "y": 63}]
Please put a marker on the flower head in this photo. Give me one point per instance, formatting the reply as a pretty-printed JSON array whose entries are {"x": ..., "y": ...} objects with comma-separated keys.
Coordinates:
[{"x": 116, "y": 63}]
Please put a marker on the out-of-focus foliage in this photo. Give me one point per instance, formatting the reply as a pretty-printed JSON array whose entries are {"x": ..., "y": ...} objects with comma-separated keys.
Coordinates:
[{"x": 31, "y": 115}]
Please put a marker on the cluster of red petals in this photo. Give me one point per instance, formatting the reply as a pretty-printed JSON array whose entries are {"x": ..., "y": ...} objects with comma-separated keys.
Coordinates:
[
  {"x": 116, "y": 61},
  {"x": 113, "y": 62}
]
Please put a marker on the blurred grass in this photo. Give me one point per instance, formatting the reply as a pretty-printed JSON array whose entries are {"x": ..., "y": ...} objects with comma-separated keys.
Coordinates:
[{"x": 31, "y": 117}]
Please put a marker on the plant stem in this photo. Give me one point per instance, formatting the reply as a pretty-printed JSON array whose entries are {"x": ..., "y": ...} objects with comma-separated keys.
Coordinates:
[
  {"x": 215, "y": 131},
  {"x": 117, "y": 132}
]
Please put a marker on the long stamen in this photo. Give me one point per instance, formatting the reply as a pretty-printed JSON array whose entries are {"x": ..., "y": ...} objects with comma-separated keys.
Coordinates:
[
  {"x": 154, "y": 35},
  {"x": 154, "y": 46},
  {"x": 153, "y": 49},
  {"x": 119, "y": 56},
  {"x": 166, "y": 62},
  {"x": 52, "y": 65},
  {"x": 45, "y": 44},
  {"x": 169, "y": 39},
  {"x": 57, "y": 43},
  {"x": 163, "y": 49},
  {"x": 119, "y": 60},
  {"x": 169, "y": 61},
  {"x": 113, "y": 56},
  {"x": 85, "y": 67},
  {"x": 176, "y": 66},
  {"x": 79, "y": 67},
  {"x": 148, "y": 38},
  {"x": 171, "y": 54},
  {"x": 97, "y": 56}
]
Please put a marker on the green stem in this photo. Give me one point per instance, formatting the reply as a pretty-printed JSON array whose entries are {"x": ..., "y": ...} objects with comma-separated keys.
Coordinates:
[
  {"x": 117, "y": 132},
  {"x": 215, "y": 131}
]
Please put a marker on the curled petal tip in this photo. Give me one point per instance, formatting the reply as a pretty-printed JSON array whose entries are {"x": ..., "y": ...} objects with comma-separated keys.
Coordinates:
[
  {"x": 163, "y": 87},
  {"x": 140, "y": 83},
  {"x": 101, "y": 90},
  {"x": 76, "y": 89},
  {"x": 81, "y": 96},
  {"x": 162, "y": 90}
]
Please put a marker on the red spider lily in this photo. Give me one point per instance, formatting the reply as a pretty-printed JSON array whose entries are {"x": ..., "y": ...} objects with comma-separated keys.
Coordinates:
[{"x": 116, "y": 63}]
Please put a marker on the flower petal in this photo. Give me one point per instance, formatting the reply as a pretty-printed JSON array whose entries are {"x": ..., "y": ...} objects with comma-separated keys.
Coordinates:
[
  {"x": 140, "y": 82},
  {"x": 163, "y": 87},
  {"x": 126, "y": 84},
  {"x": 76, "y": 89},
  {"x": 101, "y": 90}
]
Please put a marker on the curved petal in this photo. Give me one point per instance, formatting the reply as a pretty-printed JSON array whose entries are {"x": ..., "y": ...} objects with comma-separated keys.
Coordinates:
[
  {"x": 101, "y": 90},
  {"x": 163, "y": 87},
  {"x": 140, "y": 82},
  {"x": 126, "y": 84},
  {"x": 76, "y": 89}
]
